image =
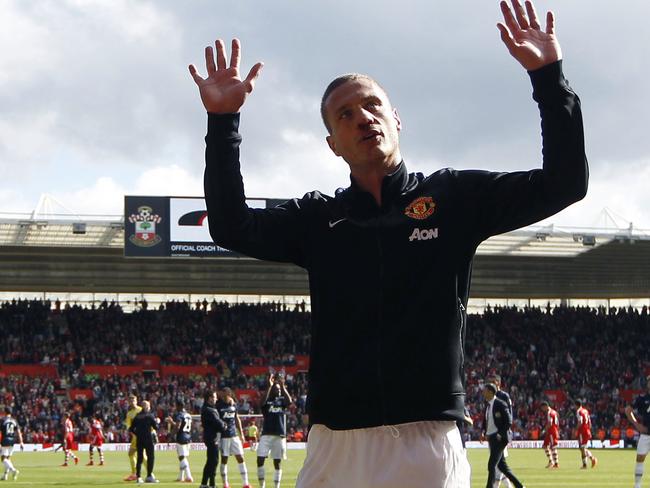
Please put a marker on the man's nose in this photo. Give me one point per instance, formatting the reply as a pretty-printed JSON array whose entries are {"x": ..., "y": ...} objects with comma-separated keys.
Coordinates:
[{"x": 364, "y": 117}]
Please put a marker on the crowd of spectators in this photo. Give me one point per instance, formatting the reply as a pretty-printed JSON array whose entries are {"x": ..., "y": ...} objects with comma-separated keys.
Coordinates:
[
  {"x": 583, "y": 353},
  {"x": 588, "y": 354},
  {"x": 205, "y": 333}
]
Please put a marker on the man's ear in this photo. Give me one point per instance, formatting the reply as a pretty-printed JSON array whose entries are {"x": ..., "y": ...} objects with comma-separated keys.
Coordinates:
[
  {"x": 332, "y": 144},
  {"x": 397, "y": 119}
]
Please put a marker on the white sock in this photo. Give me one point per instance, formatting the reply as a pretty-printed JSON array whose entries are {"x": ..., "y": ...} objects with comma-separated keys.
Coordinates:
[
  {"x": 277, "y": 476},
  {"x": 260, "y": 476},
  {"x": 188, "y": 473},
  {"x": 244, "y": 473},
  {"x": 224, "y": 473},
  {"x": 638, "y": 474}
]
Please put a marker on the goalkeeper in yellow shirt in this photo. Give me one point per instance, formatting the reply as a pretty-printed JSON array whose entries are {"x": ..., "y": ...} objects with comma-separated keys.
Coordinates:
[{"x": 134, "y": 409}]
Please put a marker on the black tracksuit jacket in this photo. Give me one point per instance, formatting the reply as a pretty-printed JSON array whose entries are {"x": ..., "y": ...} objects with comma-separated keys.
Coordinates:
[
  {"x": 389, "y": 284},
  {"x": 211, "y": 423}
]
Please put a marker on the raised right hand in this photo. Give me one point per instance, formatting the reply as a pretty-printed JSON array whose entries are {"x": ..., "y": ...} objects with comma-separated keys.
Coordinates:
[{"x": 223, "y": 91}]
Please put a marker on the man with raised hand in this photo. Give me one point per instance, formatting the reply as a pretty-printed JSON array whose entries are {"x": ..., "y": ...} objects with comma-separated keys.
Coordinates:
[
  {"x": 274, "y": 429},
  {"x": 389, "y": 258}
]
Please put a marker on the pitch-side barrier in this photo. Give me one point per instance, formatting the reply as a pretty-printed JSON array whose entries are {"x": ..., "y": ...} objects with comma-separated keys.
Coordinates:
[{"x": 199, "y": 446}]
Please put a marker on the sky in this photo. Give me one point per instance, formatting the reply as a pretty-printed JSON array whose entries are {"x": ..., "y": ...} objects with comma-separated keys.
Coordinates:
[{"x": 96, "y": 100}]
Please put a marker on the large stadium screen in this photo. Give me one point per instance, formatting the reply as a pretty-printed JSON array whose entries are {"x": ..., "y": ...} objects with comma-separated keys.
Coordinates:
[{"x": 172, "y": 226}]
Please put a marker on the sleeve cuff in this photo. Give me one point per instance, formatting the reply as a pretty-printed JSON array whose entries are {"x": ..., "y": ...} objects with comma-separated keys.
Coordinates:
[
  {"x": 548, "y": 81},
  {"x": 222, "y": 124}
]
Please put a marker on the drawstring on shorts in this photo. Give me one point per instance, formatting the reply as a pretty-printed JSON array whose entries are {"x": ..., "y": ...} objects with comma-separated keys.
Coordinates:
[{"x": 394, "y": 431}]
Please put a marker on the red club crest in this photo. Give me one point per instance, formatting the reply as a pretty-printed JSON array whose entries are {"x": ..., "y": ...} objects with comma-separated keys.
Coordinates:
[{"x": 420, "y": 208}]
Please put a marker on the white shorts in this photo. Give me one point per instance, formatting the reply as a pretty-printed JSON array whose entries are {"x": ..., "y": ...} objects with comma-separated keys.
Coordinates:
[
  {"x": 231, "y": 446},
  {"x": 6, "y": 451},
  {"x": 183, "y": 449},
  {"x": 427, "y": 454},
  {"x": 273, "y": 444},
  {"x": 643, "y": 446}
]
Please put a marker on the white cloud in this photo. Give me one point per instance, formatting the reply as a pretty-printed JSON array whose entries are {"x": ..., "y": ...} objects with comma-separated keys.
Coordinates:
[
  {"x": 12, "y": 202},
  {"x": 171, "y": 180},
  {"x": 105, "y": 196},
  {"x": 302, "y": 163},
  {"x": 621, "y": 188},
  {"x": 26, "y": 137},
  {"x": 95, "y": 99},
  {"x": 25, "y": 51},
  {"x": 138, "y": 21}
]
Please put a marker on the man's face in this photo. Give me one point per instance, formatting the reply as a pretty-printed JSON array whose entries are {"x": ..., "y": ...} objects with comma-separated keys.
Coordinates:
[
  {"x": 133, "y": 401},
  {"x": 364, "y": 126},
  {"x": 544, "y": 408}
]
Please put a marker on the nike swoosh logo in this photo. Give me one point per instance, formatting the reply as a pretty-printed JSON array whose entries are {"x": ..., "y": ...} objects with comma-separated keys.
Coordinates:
[{"x": 333, "y": 223}]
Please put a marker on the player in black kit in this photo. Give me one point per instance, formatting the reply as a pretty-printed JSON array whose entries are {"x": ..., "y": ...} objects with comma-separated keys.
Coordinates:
[
  {"x": 641, "y": 423},
  {"x": 390, "y": 257},
  {"x": 232, "y": 439},
  {"x": 274, "y": 429},
  {"x": 182, "y": 424},
  {"x": 10, "y": 431},
  {"x": 212, "y": 427}
]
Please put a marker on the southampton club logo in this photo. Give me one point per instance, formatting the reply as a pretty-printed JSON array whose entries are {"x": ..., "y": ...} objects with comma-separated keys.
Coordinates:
[
  {"x": 420, "y": 208},
  {"x": 145, "y": 227}
]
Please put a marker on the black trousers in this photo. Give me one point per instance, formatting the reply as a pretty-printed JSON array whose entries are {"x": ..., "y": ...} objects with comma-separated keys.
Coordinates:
[
  {"x": 145, "y": 446},
  {"x": 498, "y": 461},
  {"x": 211, "y": 462}
]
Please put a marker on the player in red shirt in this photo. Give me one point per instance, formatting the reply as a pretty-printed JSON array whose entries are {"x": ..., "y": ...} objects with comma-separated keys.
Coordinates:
[
  {"x": 551, "y": 435},
  {"x": 68, "y": 439},
  {"x": 584, "y": 435},
  {"x": 96, "y": 439}
]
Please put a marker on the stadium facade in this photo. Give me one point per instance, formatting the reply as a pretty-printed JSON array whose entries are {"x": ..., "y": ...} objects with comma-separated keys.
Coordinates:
[{"x": 82, "y": 259}]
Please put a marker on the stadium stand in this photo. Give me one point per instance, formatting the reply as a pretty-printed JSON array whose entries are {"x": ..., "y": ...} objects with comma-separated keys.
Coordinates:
[{"x": 60, "y": 357}]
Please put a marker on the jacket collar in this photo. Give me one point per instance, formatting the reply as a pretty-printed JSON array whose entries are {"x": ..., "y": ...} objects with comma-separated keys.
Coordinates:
[{"x": 393, "y": 185}]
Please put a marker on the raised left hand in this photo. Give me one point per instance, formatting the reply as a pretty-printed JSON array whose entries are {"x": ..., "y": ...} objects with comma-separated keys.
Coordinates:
[{"x": 524, "y": 38}]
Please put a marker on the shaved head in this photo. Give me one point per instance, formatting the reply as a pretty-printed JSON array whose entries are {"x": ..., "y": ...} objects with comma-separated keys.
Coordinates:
[{"x": 334, "y": 84}]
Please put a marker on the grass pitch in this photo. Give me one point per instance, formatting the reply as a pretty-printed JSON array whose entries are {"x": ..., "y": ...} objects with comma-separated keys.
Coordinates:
[{"x": 41, "y": 470}]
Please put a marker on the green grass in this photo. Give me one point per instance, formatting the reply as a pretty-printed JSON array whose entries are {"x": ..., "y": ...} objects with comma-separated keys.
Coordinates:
[{"x": 614, "y": 470}]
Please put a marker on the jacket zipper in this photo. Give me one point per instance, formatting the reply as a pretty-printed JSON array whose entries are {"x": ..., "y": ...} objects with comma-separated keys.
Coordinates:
[
  {"x": 380, "y": 318},
  {"x": 461, "y": 334}
]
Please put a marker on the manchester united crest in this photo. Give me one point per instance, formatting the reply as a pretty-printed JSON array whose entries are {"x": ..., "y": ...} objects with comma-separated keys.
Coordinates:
[
  {"x": 145, "y": 227},
  {"x": 420, "y": 208}
]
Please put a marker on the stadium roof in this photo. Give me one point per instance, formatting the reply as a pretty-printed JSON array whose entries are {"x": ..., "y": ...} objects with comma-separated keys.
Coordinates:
[
  {"x": 85, "y": 253},
  {"x": 107, "y": 231}
]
